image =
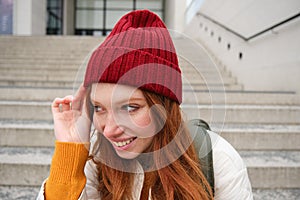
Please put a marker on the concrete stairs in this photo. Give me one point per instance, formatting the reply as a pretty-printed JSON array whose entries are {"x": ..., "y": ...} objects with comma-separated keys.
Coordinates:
[{"x": 263, "y": 126}]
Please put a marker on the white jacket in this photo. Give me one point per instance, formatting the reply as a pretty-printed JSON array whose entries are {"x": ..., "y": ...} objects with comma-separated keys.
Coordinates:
[{"x": 230, "y": 173}]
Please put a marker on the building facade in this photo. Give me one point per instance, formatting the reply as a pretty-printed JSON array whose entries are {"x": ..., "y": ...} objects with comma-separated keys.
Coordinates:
[{"x": 80, "y": 17}]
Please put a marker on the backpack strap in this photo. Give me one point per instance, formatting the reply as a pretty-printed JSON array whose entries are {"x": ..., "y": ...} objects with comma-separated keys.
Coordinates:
[{"x": 202, "y": 142}]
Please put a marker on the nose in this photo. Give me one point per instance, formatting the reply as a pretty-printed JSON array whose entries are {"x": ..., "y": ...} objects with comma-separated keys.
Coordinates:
[{"x": 110, "y": 128}]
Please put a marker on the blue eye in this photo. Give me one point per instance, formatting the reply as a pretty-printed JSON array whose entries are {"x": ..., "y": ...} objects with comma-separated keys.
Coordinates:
[
  {"x": 98, "y": 109},
  {"x": 130, "y": 108}
]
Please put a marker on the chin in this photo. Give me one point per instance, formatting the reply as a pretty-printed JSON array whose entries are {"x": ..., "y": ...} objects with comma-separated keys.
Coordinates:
[{"x": 127, "y": 154}]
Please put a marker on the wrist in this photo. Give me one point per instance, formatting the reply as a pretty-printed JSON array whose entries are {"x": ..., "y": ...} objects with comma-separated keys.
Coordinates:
[{"x": 68, "y": 161}]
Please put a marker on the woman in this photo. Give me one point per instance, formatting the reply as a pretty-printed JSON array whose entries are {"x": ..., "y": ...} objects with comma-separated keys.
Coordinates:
[{"x": 142, "y": 150}]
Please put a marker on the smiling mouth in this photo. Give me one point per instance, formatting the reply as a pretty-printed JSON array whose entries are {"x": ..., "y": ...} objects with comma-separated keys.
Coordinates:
[{"x": 124, "y": 143}]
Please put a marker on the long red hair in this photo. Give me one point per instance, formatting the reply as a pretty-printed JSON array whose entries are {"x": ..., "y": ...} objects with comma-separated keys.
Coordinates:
[{"x": 181, "y": 178}]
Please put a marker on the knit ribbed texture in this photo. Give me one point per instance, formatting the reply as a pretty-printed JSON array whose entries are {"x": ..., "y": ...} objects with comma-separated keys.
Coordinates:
[
  {"x": 138, "y": 52},
  {"x": 67, "y": 179}
]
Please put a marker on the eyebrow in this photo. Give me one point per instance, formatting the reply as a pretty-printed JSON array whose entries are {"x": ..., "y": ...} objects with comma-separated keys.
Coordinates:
[{"x": 121, "y": 101}]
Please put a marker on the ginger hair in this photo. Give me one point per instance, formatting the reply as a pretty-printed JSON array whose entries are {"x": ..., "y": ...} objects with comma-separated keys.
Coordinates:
[{"x": 181, "y": 179}]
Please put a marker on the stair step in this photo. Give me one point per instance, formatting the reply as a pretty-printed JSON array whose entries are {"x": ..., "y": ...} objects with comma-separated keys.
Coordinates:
[
  {"x": 23, "y": 72},
  {"x": 22, "y": 110},
  {"x": 248, "y": 114},
  {"x": 194, "y": 87},
  {"x": 242, "y": 136},
  {"x": 251, "y": 114},
  {"x": 241, "y": 97},
  {"x": 69, "y": 84},
  {"x": 48, "y": 83},
  {"x": 41, "y": 61},
  {"x": 271, "y": 194},
  {"x": 7, "y": 67},
  {"x": 273, "y": 169},
  {"x": 24, "y": 166},
  {"x": 23, "y": 192},
  {"x": 200, "y": 97},
  {"x": 33, "y": 134},
  {"x": 33, "y": 94},
  {"x": 18, "y": 192},
  {"x": 67, "y": 77},
  {"x": 30, "y": 166},
  {"x": 260, "y": 137}
]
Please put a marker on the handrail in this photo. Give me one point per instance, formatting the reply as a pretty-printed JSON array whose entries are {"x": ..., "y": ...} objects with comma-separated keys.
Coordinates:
[
  {"x": 256, "y": 34},
  {"x": 192, "y": 9}
]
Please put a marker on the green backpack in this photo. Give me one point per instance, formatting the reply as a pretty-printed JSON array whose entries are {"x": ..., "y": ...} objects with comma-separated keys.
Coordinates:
[{"x": 202, "y": 142}]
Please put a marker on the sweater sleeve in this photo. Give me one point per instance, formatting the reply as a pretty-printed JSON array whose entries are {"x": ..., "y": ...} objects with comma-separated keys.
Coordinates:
[{"x": 67, "y": 178}]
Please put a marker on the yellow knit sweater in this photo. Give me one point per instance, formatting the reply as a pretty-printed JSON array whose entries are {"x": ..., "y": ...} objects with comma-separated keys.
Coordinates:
[{"x": 67, "y": 179}]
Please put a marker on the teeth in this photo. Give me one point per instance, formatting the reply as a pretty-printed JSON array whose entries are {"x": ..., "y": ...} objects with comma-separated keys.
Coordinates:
[{"x": 123, "y": 143}]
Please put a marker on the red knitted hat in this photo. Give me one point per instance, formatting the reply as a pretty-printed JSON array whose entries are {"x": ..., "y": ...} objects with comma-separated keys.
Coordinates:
[{"x": 138, "y": 52}]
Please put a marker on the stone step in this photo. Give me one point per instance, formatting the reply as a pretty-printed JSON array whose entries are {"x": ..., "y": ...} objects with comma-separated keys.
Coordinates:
[
  {"x": 33, "y": 94},
  {"x": 267, "y": 169},
  {"x": 24, "y": 166},
  {"x": 7, "y": 67},
  {"x": 48, "y": 83},
  {"x": 61, "y": 76},
  {"x": 33, "y": 134},
  {"x": 211, "y": 87},
  {"x": 52, "y": 63},
  {"x": 273, "y": 169},
  {"x": 212, "y": 98},
  {"x": 248, "y": 114},
  {"x": 242, "y": 136},
  {"x": 18, "y": 192},
  {"x": 66, "y": 57},
  {"x": 34, "y": 42},
  {"x": 27, "y": 193},
  {"x": 36, "y": 62},
  {"x": 67, "y": 71},
  {"x": 26, "y": 53},
  {"x": 271, "y": 194},
  {"x": 241, "y": 97},
  {"x": 41, "y": 61},
  {"x": 260, "y": 137},
  {"x": 14, "y": 110},
  {"x": 67, "y": 77},
  {"x": 69, "y": 84}
]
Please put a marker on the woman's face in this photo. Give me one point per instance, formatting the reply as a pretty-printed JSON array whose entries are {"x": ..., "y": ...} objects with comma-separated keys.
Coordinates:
[{"x": 123, "y": 116}]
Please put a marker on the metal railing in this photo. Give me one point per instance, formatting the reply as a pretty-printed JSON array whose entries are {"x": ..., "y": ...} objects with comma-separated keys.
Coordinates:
[{"x": 254, "y": 35}]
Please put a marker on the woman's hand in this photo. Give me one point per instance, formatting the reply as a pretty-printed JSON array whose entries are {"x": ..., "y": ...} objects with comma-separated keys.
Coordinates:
[{"x": 71, "y": 123}]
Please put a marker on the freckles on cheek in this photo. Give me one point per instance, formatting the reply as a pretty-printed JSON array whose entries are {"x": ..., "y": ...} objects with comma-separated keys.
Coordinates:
[
  {"x": 97, "y": 124},
  {"x": 143, "y": 120}
]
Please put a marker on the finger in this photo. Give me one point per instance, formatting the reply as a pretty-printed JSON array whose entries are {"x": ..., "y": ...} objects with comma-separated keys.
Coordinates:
[
  {"x": 79, "y": 98},
  {"x": 55, "y": 104},
  {"x": 65, "y": 107},
  {"x": 67, "y": 103},
  {"x": 62, "y": 104}
]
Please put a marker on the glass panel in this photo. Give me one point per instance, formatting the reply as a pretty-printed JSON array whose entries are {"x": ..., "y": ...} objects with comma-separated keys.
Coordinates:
[
  {"x": 89, "y": 19},
  {"x": 89, "y": 4},
  {"x": 52, "y": 3},
  {"x": 113, "y": 17},
  {"x": 56, "y": 12},
  {"x": 120, "y": 4},
  {"x": 54, "y": 17},
  {"x": 149, "y": 4}
]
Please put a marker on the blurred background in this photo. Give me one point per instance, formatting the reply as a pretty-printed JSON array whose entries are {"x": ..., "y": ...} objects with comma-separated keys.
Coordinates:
[{"x": 240, "y": 57}]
